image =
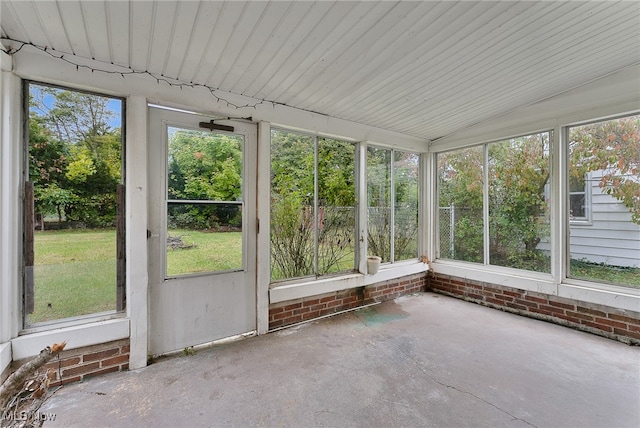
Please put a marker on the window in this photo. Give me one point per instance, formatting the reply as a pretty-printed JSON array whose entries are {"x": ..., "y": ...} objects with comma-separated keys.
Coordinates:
[
  {"x": 74, "y": 205},
  {"x": 460, "y": 196},
  {"x": 313, "y": 205},
  {"x": 518, "y": 171},
  {"x": 204, "y": 202},
  {"x": 514, "y": 228},
  {"x": 578, "y": 206},
  {"x": 392, "y": 228},
  {"x": 607, "y": 154}
]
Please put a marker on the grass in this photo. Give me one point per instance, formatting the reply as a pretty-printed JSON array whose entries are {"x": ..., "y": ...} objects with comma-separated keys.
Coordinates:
[
  {"x": 75, "y": 272},
  {"x": 212, "y": 251},
  {"x": 598, "y": 272}
]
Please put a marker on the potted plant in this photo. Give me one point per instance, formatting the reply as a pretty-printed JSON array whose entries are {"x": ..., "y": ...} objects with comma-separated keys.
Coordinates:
[{"x": 373, "y": 264}]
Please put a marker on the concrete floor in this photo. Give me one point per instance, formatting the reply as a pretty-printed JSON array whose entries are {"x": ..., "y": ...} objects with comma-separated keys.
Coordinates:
[{"x": 423, "y": 360}]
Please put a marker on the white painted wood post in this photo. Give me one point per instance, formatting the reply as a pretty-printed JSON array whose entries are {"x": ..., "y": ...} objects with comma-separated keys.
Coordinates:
[{"x": 136, "y": 224}]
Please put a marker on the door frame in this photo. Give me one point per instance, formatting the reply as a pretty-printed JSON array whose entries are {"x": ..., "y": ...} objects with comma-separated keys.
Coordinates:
[{"x": 199, "y": 308}]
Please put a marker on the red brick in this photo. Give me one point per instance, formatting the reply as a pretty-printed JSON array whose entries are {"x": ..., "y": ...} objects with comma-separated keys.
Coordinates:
[
  {"x": 281, "y": 315},
  {"x": 125, "y": 349},
  {"x": 101, "y": 355},
  {"x": 328, "y": 299},
  {"x": 568, "y": 318},
  {"x": 590, "y": 311},
  {"x": 67, "y": 380},
  {"x": 504, "y": 298},
  {"x": 562, "y": 305},
  {"x": 597, "y": 326},
  {"x": 512, "y": 293},
  {"x": 474, "y": 296},
  {"x": 54, "y": 365},
  {"x": 553, "y": 309},
  {"x": 516, "y": 306},
  {"x": 115, "y": 360},
  {"x": 580, "y": 316},
  {"x": 535, "y": 299},
  {"x": 612, "y": 323},
  {"x": 80, "y": 370},
  {"x": 276, "y": 310},
  {"x": 527, "y": 303},
  {"x": 624, "y": 318},
  {"x": 494, "y": 301},
  {"x": 300, "y": 311},
  {"x": 628, "y": 333},
  {"x": 634, "y": 328},
  {"x": 103, "y": 371},
  {"x": 311, "y": 302},
  {"x": 292, "y": 306}
]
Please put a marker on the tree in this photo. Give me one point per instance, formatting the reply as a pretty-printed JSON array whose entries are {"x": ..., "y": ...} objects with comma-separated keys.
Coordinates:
[
  {"x": 612, "y": 147},
  {"x": 75, "y": 155}
]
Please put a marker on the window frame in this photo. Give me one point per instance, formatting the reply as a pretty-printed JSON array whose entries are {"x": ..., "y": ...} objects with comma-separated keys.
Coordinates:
[
  {"x": 120, "y": 286},
  {"x": 316, "y": 276}
]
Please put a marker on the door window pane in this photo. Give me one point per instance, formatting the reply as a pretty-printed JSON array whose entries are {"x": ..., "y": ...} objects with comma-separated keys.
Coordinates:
[{"x": 204, "y": 202}]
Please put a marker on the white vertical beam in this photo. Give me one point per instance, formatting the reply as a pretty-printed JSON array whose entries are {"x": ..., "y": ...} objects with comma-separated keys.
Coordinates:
[
  {"x": 136, "y": 218},
  {"x": 428, "y": 206},
  {"x": 263, "y": 200},
  {"x": 11, "y": 147},
  {"x": 361, "y": 183},
  {"x": 559, "y": 219},
  {"x": 485, "y": 203}
]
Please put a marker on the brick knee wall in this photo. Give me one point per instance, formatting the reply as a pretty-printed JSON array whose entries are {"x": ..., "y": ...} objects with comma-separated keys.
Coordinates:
[
  {"x": 614, "y": 323},
  {"x": 77, "y": 364},
  {"x": 307, "y": 308}
]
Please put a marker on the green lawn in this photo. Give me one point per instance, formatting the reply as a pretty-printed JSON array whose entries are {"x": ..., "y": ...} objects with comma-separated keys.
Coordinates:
[
  {"x": 211, "y": 251},
  {"x": 75, "y": 272}
]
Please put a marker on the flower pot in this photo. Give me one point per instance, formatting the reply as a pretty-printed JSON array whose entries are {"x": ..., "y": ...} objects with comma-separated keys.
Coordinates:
[{"x": 373, "y": 264}]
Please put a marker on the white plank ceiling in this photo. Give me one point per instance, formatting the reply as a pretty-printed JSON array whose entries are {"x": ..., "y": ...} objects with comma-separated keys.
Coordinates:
[{"x": 424, "y": 69}]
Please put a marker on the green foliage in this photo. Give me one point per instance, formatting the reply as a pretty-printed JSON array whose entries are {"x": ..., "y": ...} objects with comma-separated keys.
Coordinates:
[
  {"x": 75, "y": 158},
  {"x": 518, "y": 173},
  {"x": 295, "y": 226},
  {"x": 612, "y": 147}
]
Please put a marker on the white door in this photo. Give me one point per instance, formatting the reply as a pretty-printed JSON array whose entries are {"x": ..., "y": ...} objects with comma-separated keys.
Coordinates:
[{"x": 202, "y": 229}]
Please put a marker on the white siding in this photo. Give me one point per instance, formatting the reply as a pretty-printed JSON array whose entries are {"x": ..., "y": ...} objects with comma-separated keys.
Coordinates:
[{"x": 610, "y": 237}]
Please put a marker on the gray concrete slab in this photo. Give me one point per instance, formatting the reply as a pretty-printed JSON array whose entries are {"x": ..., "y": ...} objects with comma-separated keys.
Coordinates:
[{"x": 422, "y": 360}]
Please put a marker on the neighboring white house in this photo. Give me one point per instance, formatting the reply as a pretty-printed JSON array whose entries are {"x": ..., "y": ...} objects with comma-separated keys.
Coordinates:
[{"x": 601, "y": 231}]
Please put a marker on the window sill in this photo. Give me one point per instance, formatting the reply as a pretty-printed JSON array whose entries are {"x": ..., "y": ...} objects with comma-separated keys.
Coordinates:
[
  {"x": 76, "y": 336},
  {"x": 314, "y": 287}
]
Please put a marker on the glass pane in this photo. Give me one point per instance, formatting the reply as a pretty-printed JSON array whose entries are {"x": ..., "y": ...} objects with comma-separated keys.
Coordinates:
[
  {"x": 203, "y": 238},
  {"x": 405, "y": 169},
  {"x": 204, "y": 165},
  {"x": 75, "y": 165},
  {"x": 607, "y": 249},
  {"x": 577, "y": 206},
  {"x": 292, "y": 201},
  {"x": 518, "y": 210},
  {"x": 379, "y": 202},
  {"x": 460, "y": 199},
  {"x": 336, "y": 206}
]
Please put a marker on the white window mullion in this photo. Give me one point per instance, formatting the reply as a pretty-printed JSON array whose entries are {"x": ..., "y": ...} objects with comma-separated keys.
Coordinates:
[
  {"x": 485, "y": 202},
  {"x": 392, "y": 214},
  {"x": 315, "y": 206}
]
